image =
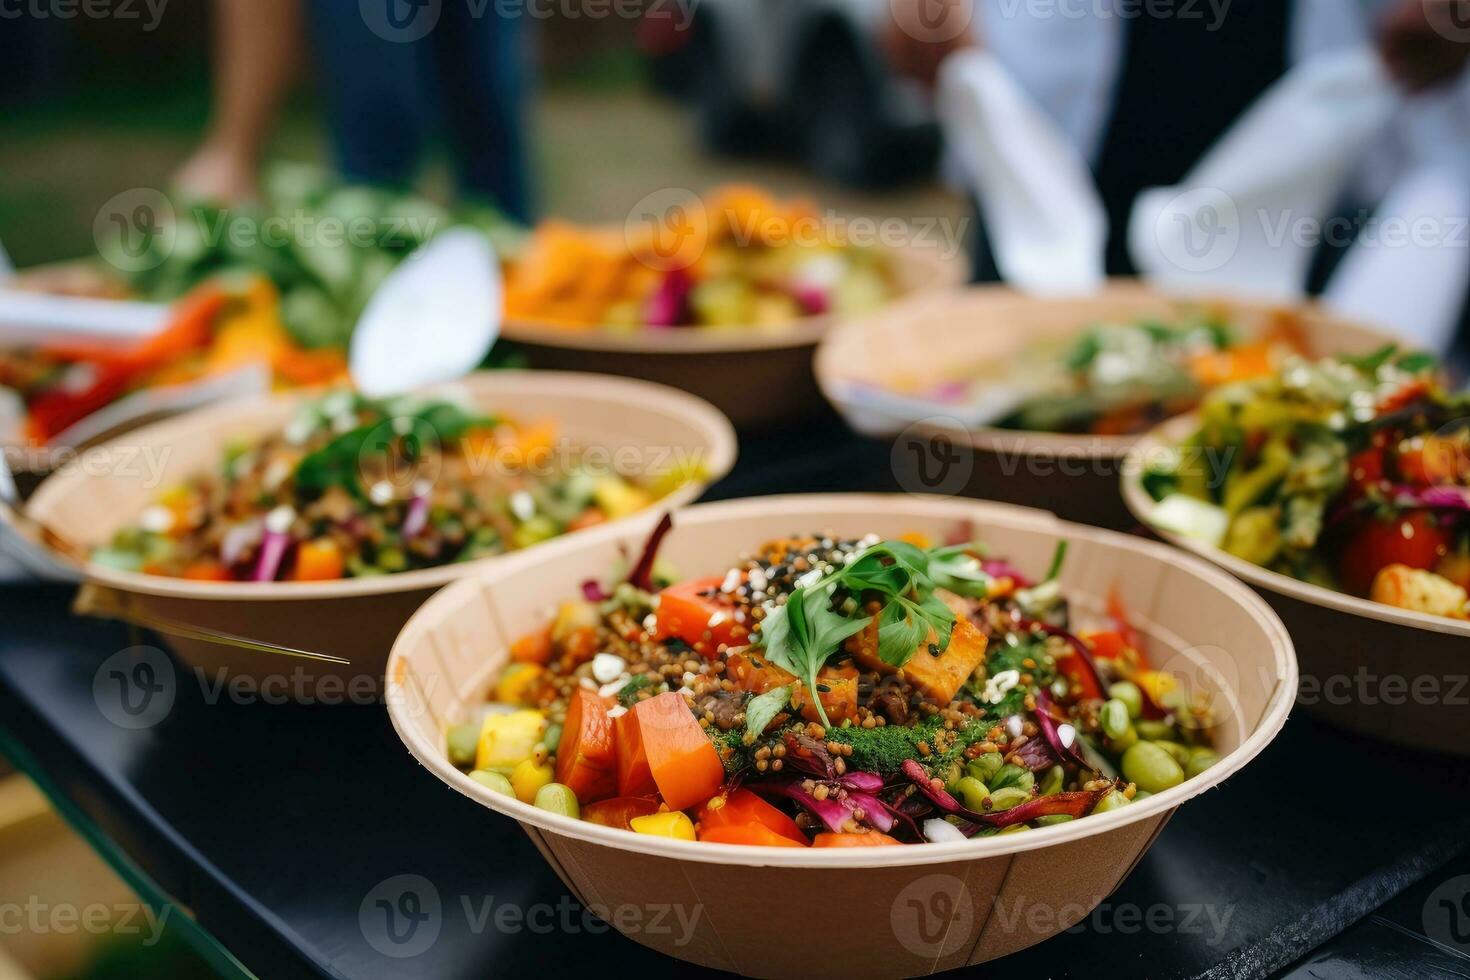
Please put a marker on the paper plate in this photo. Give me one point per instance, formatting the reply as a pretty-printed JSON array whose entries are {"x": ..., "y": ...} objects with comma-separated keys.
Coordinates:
[
  {"x": 1391, "y": 673},
  {"x": 931, "y": 340},
  {"x": 881, "y": 912},
  {"x": 353, "y": 618}
]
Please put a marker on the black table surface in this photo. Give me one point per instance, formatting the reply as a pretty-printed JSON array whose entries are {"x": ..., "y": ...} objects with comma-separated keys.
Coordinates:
[{"x": 275, "y": 826}]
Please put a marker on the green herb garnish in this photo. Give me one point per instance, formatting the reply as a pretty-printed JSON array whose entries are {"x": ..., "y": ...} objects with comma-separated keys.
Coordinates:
[{"x": 764, "y": 708}]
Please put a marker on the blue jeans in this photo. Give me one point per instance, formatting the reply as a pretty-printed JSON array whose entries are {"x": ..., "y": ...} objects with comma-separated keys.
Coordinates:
[{"x": 390, "y": 81}]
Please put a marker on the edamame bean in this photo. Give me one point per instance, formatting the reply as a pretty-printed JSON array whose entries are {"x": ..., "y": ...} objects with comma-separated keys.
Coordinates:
[
  {"x": 556, "y": 798},
  {"x": 552, "y": 738},
  {"x": 1155, "y": 731},
  {"x": 1130, "y": 695},
  {"x": 1200, "y": 759},
  {"x": 1004, "y": 799},
  {"x": 463, "y": 742},
  {"x": 1015, "y": 828},
  {"x": 1124, "y": 742},
  {"x": 1026, "y": 781},
  {"x": 973, "y": 793},
  {"x": 1151, "y": 768},
  {"x": 1114, "y": 719},
  {"x": 1053, "y": 819},
  {"x": 1008, "y": 775},
  {"x": 1053, "y": 781},
  {"x": 984, "y": 767},
  {"x": 1179, "y": 752},
  {"x": 495, "y": 781},
  {"x": 1113, "y": 801}
]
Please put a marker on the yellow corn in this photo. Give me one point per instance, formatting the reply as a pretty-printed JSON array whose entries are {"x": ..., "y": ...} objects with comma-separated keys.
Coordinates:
[
  {"x": 676, "y": 825},
  {"x": 528, "y": 778}
]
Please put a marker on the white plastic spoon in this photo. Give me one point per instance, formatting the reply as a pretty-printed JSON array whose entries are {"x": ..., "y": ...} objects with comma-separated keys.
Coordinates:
[{"x": 433, "y": 320}]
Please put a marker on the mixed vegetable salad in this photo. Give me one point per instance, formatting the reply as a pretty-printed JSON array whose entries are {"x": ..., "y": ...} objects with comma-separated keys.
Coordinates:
[
  {"x": 1352, "y": 474},
  {"x": 954, "y": 698},
  {"x": 355, "y": 487},
  {"x": 1123, "y": 379},
  {"x": 217, "y": 329},
  {"x": 741, "y": 259}
]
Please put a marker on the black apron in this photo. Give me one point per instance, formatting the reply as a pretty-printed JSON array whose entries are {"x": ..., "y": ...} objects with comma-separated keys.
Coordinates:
[{"x": 1182, "y": 86}]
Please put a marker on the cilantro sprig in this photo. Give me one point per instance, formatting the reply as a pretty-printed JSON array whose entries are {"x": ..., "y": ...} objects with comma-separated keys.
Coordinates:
[{"x": 818, "y": 616}]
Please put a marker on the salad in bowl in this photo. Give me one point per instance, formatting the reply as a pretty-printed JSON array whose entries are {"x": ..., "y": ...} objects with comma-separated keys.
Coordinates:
[
  {"x": 1348, "y": 473},
  {"x": 355, "y": 488},
  {"x": 833, "y": 692}
]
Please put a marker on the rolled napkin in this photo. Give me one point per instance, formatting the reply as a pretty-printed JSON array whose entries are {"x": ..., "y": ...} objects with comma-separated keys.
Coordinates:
[
  {"x": 1248, "y": 218},
  {"x": 1045, "y": 218}
]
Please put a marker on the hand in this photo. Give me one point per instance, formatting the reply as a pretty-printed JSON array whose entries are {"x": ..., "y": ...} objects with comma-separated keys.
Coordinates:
[
  {"x": 1426, "y": 43},
  {"x": 925, "y": 32}
]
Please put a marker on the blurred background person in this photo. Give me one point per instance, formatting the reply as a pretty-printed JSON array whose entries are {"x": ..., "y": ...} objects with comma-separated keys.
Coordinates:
[{"x": 389, "y": 86}]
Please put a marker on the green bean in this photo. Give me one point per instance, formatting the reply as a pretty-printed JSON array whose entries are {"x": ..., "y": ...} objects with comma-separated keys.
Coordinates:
[
  {"x": 984, "y": 767},
  {"x": 464, "y": 741},
  {"x": 1053, "y": 819},
  {"x": 1179, "y": 752},
  {"x": 1008, "y": 775},
  {"x": 1155, "y": 731},
  {"x": 1004, "y": 799},
  {"x": 1113, "y": 801},
  {"x": 1151, "y": 768},
  {"x": 1052, "y": 782},
  {"x": 973, "y": 793},
  {"x": 556, "y": 798},
  {"x": 1200, "y": 759},
  {"x": 1130, "y": 695},
  {"x": 495, "y": 781},
  {"x": 1114, "y": 718}
]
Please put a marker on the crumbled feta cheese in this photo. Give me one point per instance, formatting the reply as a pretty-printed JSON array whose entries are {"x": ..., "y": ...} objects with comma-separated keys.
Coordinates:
[
  {"x": 157, "y": 519},
  {"x": 1013, "y": 726},
  {"x": 731, "y": 581},
  {"x": 611, "y": 688},
  {"x": 587, "y": 683},
  {"x": 279, "y": 521},
  {"x": 381, "y": 493},
  {"x": 607, "y": 667},
  {"x": 937, "y": 831},
  {"x": 617, "y": 711},
  {"x": 997, "y": 686},
  {"x": 523, "y": 505},
  {"x": 1067, "y": 735}
]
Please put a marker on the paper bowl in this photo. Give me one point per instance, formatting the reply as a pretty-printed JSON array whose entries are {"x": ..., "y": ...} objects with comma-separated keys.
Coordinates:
[
  {"x": 755, "y": 376},
  {"x": 356, "y": 619},
  {"x": 880, "y": 912},
  {"x": 1390, "y": 673},
  {"x": 932, "y": 339}
]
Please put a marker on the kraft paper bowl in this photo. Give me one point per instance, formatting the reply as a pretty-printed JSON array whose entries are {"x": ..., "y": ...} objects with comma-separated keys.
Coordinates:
[
  {"x": 931, "y": 340},
  {"x": 756, "y": 376},
  {"x": 879, "y": 912},
  {"x": 356, "y": 619},
  {"x": 1390, "y": 673}
]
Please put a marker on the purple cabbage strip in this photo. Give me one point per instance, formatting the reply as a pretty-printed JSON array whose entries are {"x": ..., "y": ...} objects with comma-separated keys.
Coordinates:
[
  {"x": 418, "y": 516},
  {"x": 939, "y": 797},
  {"x": 875, "y": 811},
  {"x": 1052, "y": 733},
  {"x": 593, "y": 592},
  {"x": 1439, "y": 497},
  {"x": 861, "y": 782},
  {"x": 1000, "y": 568},
  {"x": 833, "y": 812},
  {"x": 642, "y": 574},
  {"x": 1076, "y": 644},
  {"x": 272, "y": 552},
  {"x": 1036, "y": 755},
  {"x": 669, "y": 304},
  {"x": 1075, "y": 805},
  {"x": 806, "y": 754}
]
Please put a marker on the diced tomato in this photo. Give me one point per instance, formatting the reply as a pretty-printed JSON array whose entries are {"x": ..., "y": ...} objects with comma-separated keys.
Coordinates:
[
  {"x": 747, "y": 834},
  {"x": 1414, "y": 538},
  {"x": 634, "y": 776},
  {"x": 742, "y": 808},
  {"x": 586, "y": 758},
  {"x": 854, "y": 840},
  {"x": 688, "y": 612},
  {"x": 533, "y": 648},
  {"x": 207, "y": 571},
  {"x": 1404, "y": 397},
  {"x": 1365, "y": 469},
  {"x": 1118, "y": 612},
  {"x": 319, "y": 561},
  {"x": 620, "y": 811},
  {"x": 683, "y": 761},
  {"x": 1105, "y": 644}
]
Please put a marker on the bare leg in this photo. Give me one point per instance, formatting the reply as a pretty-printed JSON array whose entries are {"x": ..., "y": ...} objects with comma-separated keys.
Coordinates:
[{"x": 257, "y": 54}]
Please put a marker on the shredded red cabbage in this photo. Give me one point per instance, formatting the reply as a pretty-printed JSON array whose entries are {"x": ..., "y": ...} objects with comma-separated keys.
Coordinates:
[
  {"x": 272, "y": 552},
  {"x": 593, "y": 592},
  {"x": 642, "y": 574},
  {"x": 1440, "y": 497},
  {"x": 1000, "y": 568},
  {"x": 1051, "y": 731},
  {"x": 833, "y": 812}
]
